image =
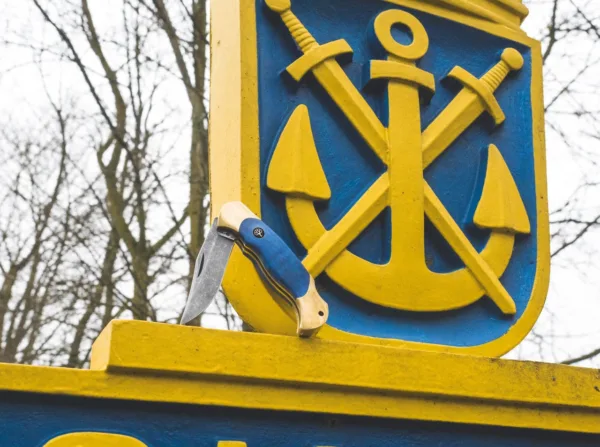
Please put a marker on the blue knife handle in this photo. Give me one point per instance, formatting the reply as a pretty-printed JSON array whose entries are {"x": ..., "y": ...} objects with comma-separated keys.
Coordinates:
[{"x": 277, "y": 264}]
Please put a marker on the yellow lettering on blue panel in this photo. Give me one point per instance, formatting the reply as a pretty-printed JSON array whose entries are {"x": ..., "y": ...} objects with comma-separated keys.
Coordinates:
[
  {"x": 362, "y": 149},
  {"x": 94, "y": 440}
]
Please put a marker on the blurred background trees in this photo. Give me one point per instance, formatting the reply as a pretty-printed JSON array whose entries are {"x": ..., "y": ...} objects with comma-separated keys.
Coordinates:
[{"x": 104, "y": 177}]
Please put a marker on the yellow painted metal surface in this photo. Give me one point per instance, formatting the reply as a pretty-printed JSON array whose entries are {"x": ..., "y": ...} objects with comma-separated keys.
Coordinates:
[
  {"x": 167, "y": 363},
  {"x": 327, "y": 249}
]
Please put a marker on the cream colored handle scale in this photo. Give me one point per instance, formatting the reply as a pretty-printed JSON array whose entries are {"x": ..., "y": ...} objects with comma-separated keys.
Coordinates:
[{"x": 278, "y": 265}]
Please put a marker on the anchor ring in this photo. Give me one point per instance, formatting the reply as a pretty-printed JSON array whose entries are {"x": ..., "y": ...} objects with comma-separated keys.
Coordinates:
[{"x": 384, "y": 24}]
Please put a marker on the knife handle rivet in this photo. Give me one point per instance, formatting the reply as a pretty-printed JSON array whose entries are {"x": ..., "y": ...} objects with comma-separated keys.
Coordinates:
[{"x": 258, "y": 232}]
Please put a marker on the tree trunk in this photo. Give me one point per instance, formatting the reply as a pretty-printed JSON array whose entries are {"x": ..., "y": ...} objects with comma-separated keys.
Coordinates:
[
  {"x": 199, "y": 147},
  {"x": 139, "y": 304}
]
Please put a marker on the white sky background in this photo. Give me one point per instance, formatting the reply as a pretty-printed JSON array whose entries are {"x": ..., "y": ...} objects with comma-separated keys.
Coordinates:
[{"x": 569, "y": 325}]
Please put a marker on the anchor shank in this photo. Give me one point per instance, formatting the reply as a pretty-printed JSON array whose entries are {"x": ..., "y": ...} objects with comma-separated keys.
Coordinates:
[{"x": 406, "y": 173}]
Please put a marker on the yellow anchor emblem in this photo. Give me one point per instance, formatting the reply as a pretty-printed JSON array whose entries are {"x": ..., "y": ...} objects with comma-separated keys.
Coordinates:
[{"x": 405, "y": 282}]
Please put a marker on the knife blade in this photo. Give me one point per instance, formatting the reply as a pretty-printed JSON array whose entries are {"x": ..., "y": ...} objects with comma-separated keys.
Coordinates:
[{"x": 208, "y": 272}]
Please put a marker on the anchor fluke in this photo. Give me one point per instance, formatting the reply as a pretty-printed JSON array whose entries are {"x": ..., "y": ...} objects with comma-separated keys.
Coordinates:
[
  {"x": 295, "y": 168},
  {"x": 501, "y": 206}
]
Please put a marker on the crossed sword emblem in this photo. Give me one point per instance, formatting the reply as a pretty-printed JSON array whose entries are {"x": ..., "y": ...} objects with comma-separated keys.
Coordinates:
[{"x": 407, "y": 152}]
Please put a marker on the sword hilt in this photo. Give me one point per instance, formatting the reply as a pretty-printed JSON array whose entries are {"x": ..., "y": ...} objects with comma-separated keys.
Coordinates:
[
  {"x": 510, "y": 60},
  {"x": 300, "y": 34},
  {"x": 484, "y": 88}
]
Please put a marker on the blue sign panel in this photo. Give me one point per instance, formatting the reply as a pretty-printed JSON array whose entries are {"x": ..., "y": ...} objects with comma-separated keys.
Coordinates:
[{"x": 401, "y": 157}]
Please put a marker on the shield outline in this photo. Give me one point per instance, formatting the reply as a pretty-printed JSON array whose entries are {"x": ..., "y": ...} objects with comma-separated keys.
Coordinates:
[{"x": 235, "y": 168}]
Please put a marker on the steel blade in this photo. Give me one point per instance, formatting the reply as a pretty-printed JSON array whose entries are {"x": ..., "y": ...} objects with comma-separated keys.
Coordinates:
[{"x": 208, "y": 273}]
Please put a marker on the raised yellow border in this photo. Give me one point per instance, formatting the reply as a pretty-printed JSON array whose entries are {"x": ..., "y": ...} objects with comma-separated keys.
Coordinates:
[
  {"x": 153, "y": 362},
  {"x": 235, "y": 172}
]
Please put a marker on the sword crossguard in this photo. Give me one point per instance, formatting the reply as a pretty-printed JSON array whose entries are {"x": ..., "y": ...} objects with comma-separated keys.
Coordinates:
[
  {"x": 316, "y": 56},
  {"x": 484, "y": 88}
]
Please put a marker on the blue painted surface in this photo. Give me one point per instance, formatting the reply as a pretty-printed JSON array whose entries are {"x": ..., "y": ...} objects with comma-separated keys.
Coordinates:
[
  {"x": 32, "y": 420},
  {"x": 351, "y": 167},
  {"x": 274, "y": 259}
]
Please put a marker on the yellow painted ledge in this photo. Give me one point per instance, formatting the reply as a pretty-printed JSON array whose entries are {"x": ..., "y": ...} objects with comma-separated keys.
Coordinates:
[{"x": 167, "y": 363}]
